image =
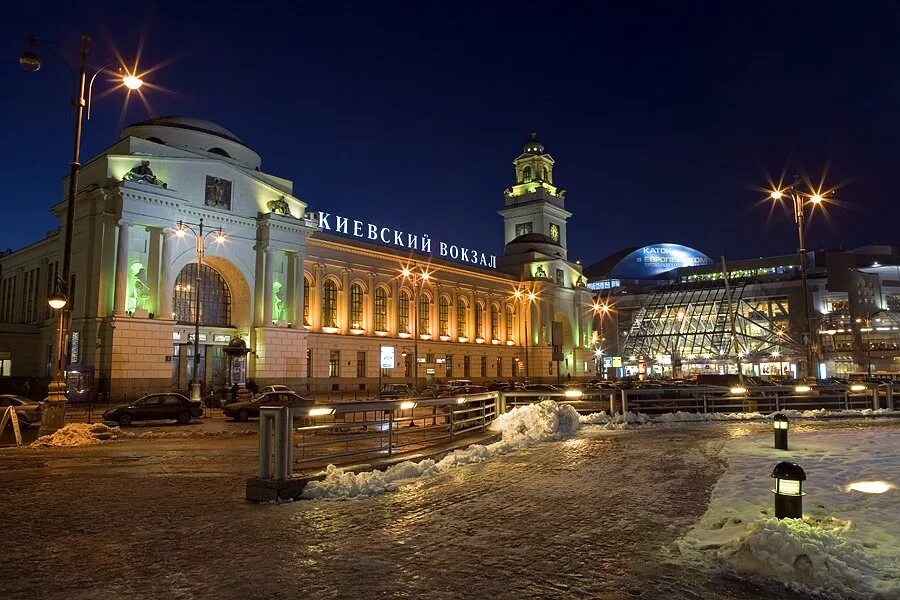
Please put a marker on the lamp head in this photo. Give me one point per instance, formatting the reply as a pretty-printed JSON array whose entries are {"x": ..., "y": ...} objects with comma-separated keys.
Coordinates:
[
  {"x": 30, "y": 61},
  {"x": 776, "y": 195},
  {"x": 132, "y": 82},
  {"x": 57, "y": 300}
]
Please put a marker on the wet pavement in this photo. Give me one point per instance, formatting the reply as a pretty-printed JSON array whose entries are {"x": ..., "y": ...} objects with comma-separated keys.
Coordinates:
[{"x": 589, "y": 517}]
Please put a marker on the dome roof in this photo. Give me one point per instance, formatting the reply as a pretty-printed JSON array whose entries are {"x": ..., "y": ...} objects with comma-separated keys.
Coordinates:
[
  {"x": 192, "y": 124},
  {"x": 533, "y": 145},
  {"x": 533, "y": 238}
]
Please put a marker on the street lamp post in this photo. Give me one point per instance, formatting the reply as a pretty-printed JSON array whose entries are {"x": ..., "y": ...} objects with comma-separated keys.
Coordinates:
[
  {"x": 181, "y": 231},
  {"x": 799, "y": 200},
  {"x": 526, "y": 299},
  {"x": 54, "y": 415},
  {"x": 600, "y": 310},
  {"x": 418, "y": 278}
]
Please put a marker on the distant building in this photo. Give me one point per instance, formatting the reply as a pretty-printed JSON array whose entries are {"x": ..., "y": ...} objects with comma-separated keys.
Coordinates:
[
  {"x": 314, "y": 295},
  {"x": 687, "y": 320}
]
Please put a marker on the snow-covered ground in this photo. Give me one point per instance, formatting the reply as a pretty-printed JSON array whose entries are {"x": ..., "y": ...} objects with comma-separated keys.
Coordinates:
[
  {"x": 848, "y": 543},
  {"x": 631, "y": 419},
  {"x": 520, "y": 427}
]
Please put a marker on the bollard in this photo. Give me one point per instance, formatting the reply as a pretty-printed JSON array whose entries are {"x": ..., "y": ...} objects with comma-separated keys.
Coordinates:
[
  {"x": 789, "y": 478},
  {"x": 624, "y": 401},
  {"x": 265, "y": 443},
  {"x": 780, "y": 425},
  {"x": 390, "y": 433},
  {"x": 875, "y": 399}
]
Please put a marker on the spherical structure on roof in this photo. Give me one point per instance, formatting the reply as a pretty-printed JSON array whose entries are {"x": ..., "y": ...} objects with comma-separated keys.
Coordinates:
[{"x": 195, "y": 134}]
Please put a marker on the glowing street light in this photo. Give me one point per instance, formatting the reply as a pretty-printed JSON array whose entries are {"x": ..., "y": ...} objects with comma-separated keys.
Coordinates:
[
  {"x": 780, "y": 426},
  {"x": 132, "y": 82},
  {"x": 799, "y": 199},
  {"x": 789, "y": 478},
  {"x": 526, "y": 299},
  {"x": 419, "y": 278},
  {"x": 57, "y": 300}
]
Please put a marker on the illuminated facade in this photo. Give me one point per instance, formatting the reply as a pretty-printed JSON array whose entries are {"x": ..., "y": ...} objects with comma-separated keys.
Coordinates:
[
  {"x": 691, "y": 321},
  {"x": 315, "y": 296}
]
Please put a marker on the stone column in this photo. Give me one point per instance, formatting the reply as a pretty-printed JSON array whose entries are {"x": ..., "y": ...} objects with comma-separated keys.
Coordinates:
[
  {"x": 369, "y": 316},
  {"x": 259, "y": 276},
  {"x": 295, "y": 284},
  {"x": 454, "y": 302},
  {"x": 393, "y": 308},
  {"x": 122, "y": 267},
  {"x": 153, "y": 248},
  {"x": 315, "y": 299},
  {"x": 268, "y": 282},
  {"x": 166, "y": 288},
  {"x": 344, "y": 302}
]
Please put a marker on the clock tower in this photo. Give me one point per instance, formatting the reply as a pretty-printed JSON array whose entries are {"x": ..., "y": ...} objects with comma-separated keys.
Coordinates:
[{"x": 533, "y": 204}]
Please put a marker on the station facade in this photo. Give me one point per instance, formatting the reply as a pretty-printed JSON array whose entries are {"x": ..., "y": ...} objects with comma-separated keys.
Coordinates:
[{"x": 320, "y": 299}]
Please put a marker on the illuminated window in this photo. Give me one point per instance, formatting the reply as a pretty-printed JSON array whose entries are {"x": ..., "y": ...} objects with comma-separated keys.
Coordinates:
[
  {"x": 329, "y": 304},
  {"x": 380, "y": 309},
  {"x": 495, "y": 322},
  {"x": 356, "y": 306},
  {"x": 554, "y": 232},
  {"x": 479, "y": 319},
  {"x": 403, "y": 312},
  {"x": 334, "y": 363},
  {"x": 215, "y": 298},
  {"x": 306, "y": 284},
  {"x": 526, "y": 175},
  {"x": 461, "y": 318},
  {"x": 509, "y": 323},
  {"x": 424, "y": 321},
  {"x": 444, "y": 316}
]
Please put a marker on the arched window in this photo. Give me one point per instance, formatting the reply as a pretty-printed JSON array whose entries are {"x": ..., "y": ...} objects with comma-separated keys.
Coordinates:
[
  {"x": 215, "y": 298},
  {"x": 526, "y": 175},
  {"x": 219, "y": 151},
  {"x": 356, "y": 306},
  {"x": 479, "y": 319},
  {"x": 424, "y": 313},
  {"x": 462, "y": 318},
  {"x": 444, "y": 316},
  {"x": 329, "y": 304},
  {"x": 380, "y": 309},
  {"x": 306, "y": 284},
  {"x": 509, "y": 323},
  {"x": 495, "y": 322},
  {"x": 403, "y": 312}
]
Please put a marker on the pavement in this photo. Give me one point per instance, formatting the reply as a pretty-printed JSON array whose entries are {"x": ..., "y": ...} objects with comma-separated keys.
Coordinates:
[{"x": 594, "y": 516}]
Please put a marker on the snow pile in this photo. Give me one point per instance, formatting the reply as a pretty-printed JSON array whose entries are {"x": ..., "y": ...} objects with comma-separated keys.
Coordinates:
[
  {"x": 628, "y": 420},
  {"x": 79, "y": 434},
  {"x": 521, "y": 427},
  {"x": 848, "y": 543},
  {"x": 194, "y": 433},
  {"x": 682, "y": 416},
  {"x": 853, "y": 412}
]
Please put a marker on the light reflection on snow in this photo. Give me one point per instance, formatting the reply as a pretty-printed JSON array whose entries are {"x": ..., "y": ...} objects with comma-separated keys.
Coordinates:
[{"x": 870, "y": 487}]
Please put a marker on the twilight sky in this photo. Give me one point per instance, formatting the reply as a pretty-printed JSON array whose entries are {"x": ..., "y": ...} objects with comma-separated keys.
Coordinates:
[{"x": 662, "y": 116}]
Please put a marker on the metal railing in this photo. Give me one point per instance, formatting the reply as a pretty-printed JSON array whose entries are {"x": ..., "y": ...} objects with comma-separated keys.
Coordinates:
[{"x": 325, "y": 433}]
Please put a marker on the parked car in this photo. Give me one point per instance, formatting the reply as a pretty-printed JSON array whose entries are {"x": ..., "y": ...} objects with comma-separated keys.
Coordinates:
[
  {"x": 217, "y": 398},
  {"x": 155, "y": 407},
  {"x": 275, "y": 388},
  {"x": 392, "y": 391},
  {"x": 454, "y": 383},
  {"x": 464, "y": 389},
  {"x": 249, "y": 409},
  {"x": 28, "y": 411}
]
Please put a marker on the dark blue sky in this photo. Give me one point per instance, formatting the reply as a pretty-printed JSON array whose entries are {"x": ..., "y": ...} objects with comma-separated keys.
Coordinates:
[{"x": 661, "y": 116}]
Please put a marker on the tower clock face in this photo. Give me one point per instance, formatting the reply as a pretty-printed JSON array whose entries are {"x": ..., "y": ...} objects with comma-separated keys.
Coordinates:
[{"x": 554, "y": 232}]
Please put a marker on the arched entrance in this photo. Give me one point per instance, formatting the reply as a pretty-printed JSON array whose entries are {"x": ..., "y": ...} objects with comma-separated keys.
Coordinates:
[{"x": 210, "y": 297}]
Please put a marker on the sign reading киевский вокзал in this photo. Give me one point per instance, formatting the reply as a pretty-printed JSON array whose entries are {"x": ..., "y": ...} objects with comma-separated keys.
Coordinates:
[{"x": 400, "y": 239}]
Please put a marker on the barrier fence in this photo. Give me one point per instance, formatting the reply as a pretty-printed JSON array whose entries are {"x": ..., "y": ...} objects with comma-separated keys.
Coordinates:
[{"x": 319, "y": 434}]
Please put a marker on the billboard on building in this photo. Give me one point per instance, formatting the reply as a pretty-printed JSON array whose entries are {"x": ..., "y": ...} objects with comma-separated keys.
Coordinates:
[{"x": 650, "y": 261}]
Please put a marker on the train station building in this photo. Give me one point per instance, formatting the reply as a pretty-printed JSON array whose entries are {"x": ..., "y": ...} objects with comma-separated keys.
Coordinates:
[{"x": 323, "y": 301}]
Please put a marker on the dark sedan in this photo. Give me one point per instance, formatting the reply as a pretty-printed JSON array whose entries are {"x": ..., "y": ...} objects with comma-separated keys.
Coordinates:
[
  {"x": 249, "y": 409},
  {"x": 156, "y": 407},
  {"x": 28, "y": 411}
]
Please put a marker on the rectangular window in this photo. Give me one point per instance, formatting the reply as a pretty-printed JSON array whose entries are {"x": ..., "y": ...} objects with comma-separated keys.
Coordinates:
[
  {"x": 479, "y": 321},
  {"x": 499, "y": 366},
  {"x": 484, "y": 366},
  {"x": 306, "y": 302},
  {"x": 334, "y": 364},
  {"x": 380, "y": 310},
  {"x": 424, "y": 306},
  {"x": 429, "y": 358},
  {"x": 461, "y": 329},
  {"x": 448, "y": 365},
  {"x": 356, "y": 307},
  {"x": 495, "y": 322},
  {"x": 361, "y": 363},
  {"x": 403, "y": 313},
  {"x": 523, "y": 228},
  {"x": 444, "y": 316},
  {"x": 5, "y": 367},
  {"x": 560, "y": 278},
  {"x": 509, "y": 323},
  {"x": 466, "y": 367}
]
